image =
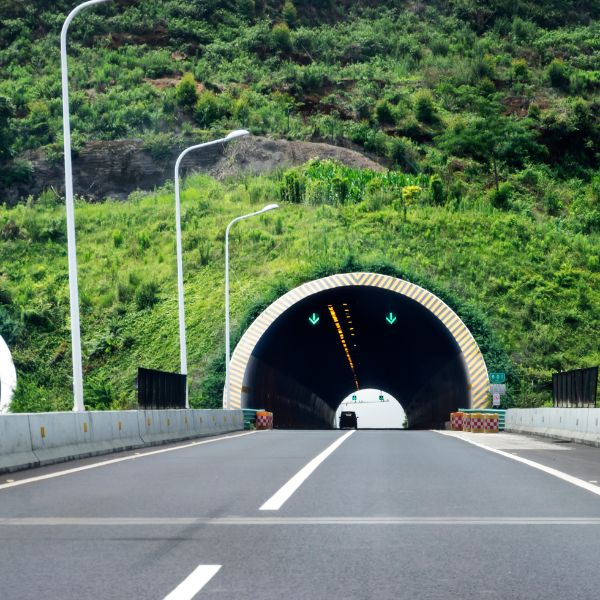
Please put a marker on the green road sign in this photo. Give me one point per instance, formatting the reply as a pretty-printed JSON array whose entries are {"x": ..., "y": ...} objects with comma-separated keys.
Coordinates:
[
  {"x": 391, "y": 318},
  {"x": 497, "y": 377},
  {"x": 314, "y": 319}
]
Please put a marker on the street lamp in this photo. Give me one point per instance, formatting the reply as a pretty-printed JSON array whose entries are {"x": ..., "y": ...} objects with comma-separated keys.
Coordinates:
[
  {"x": 182, "y": 338},
  {"x": 78, "y": 405},
  {"x": 227, "y": 348}
]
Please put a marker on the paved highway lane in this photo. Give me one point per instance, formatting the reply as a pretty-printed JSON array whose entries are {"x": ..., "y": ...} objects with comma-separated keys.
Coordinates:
[{"x": 388, "y": 514}]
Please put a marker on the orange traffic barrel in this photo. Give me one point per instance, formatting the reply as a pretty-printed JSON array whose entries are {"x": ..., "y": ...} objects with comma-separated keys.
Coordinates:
[
  {"x": 264, "y": 420},
  {"x": 491, "y": 423},
  {"x": 477, "y": 423},
  {"x": 456, "y": 421},
  {"x": 466, "y": 422}
]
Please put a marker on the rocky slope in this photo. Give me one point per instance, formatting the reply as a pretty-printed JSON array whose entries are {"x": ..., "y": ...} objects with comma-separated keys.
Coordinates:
[{"x": 114, "y": 169}]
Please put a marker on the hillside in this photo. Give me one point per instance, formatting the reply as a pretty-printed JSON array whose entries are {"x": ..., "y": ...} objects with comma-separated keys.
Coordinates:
[
  {"x": 484, "y": 113},
  {"x": 530, "y": 290},
  {"x": 471, "y": 91}
]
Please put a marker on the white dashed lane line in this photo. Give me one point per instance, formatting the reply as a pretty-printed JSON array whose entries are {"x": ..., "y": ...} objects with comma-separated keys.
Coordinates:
[{"x": 194, "y": 582}]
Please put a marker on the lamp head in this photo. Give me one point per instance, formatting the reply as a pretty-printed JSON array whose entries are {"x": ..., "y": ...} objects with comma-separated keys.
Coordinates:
[
  {"x": 269, "y": 207},
  {"x": 236, "y": 134}
]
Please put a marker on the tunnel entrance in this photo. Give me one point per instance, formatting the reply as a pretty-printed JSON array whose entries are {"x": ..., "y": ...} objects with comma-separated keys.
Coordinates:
[{"x": 327, "y": 338}]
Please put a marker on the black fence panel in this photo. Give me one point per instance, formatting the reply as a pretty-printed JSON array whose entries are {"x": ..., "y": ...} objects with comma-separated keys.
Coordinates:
[
  {"x": 160, "y": 389},
  {"x": 575, "y": 389}
]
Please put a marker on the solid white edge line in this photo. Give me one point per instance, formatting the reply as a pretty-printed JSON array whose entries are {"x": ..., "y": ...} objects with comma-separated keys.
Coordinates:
[
  {"x": 194, "y": 582},
  {"x": 594, "y": 489},
  {"x": 114, "y": 461},
  {"x": 278, "y": 499}
]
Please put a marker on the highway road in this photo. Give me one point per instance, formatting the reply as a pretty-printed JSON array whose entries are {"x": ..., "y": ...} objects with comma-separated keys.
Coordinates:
[{"x": 308, "y": 515}]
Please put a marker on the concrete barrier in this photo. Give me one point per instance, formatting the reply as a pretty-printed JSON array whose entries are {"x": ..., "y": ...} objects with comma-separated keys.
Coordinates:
[
  {"x": 36, "y": 439},
  {"x": 15, "y": 444},
  {"x": 114, "y": 431},
  {"x": 572, "y": 424},
  {"x": 55, "y": 436}
]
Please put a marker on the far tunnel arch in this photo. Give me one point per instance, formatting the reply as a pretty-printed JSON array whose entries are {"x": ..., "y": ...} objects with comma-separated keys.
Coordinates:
[{"x": 426, "y": 357}]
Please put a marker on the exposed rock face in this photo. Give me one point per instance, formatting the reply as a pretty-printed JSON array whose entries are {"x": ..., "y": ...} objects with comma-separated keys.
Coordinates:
[{"x": 115, "y": 169}]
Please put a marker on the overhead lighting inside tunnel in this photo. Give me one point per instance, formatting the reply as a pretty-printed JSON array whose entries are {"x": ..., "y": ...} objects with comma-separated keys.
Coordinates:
[{"x": 340, "y": 332}]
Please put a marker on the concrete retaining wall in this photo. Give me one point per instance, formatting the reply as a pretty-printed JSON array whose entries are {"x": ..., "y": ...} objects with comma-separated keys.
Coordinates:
[
  {"x": 573, "y": 424},
  {"x": 36, "y": 439}
]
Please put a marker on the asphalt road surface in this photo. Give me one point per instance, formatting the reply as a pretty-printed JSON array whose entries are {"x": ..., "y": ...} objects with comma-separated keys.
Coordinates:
[{"x": 308, "y": 515}]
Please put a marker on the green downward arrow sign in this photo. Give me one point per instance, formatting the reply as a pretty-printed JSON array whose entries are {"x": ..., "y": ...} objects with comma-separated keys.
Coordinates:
[
  {"x": 314, "y": 319},
  {"x": 391, "y": 318}
]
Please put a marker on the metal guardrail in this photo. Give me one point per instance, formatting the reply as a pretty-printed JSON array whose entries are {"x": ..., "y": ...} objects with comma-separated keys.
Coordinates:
[{"x": 250, "y": 416}]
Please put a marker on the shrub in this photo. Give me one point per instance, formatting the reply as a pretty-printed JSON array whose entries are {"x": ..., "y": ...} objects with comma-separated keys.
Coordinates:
[
  {"x": 146, "y": 296},
  {"x": 523, "y": 30},
  {"x": 185, "y": 92},
  {"x": 158, "y": 145},
  {"x": 7, "y": 111},
  {"x": 482, "y": 67},
  {"x": 403, "y": 153},
  {"x": 520, "y": 70},
  {"x": 500, "y": 197},
  {"x": 586, "y": 208},
  {"x": 424, "y": 108},
  {"x": 558, "y": 74},
  {"x": 280, "y": 37},
  {"x": 99, "y": 394},
  {"x": 208, "y": 109},
  {"x": 10, "y": 327},
  {"x": 18, "y": 171},
  {"x": 117, "y": 238},
  {"x": 437, "y": 194},
  {"x": 124, "y": 291},
  {"x": 29, "y": 397},
  {"x": 439, "y": 46},
  {"x": 384, "y": 113}
]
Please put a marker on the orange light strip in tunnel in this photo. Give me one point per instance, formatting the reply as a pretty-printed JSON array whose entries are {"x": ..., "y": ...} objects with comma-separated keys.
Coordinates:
[{"x": 338, "y": 327}]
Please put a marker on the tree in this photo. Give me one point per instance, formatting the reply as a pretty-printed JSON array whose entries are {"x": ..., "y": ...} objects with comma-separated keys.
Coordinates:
[
  {"x": 290, "y": 14},
  {"x": 492, "y": 139}
]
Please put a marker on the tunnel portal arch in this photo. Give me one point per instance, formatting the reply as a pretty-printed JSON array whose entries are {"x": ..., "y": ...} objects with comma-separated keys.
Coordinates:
[{"x": 458, "y": 375}]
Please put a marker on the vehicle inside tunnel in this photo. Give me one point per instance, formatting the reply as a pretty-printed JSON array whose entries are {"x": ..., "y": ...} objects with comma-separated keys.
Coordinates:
[{"x": 336, "y": 341}]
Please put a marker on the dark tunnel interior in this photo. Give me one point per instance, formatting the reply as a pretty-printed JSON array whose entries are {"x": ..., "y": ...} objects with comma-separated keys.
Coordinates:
[{"x": 355, "y": 337}]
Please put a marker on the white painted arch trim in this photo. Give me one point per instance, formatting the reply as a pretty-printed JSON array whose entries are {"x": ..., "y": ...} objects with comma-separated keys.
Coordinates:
[
  {"x": 477, "y": 373},
  {"x": 8, "y": 376}
]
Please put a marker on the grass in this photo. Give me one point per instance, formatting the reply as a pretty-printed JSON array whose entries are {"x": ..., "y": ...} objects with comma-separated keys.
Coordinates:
[{"x": 527, "y": 285}]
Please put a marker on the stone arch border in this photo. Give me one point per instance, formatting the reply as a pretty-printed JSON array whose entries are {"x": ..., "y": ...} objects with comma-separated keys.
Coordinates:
[{"x": 478, "y": 381}]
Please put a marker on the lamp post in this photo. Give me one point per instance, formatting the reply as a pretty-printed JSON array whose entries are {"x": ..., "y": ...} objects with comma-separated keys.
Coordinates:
[
  {"x": 227, "y": 342},
  {"x": 78, "y": 405},
  {"x": 182, "y": 337}
]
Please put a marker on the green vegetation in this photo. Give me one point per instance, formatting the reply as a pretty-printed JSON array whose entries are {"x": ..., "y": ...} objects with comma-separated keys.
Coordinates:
[
  {"x": 529, "y": 289},
  {"x": 422, "y": 86},
  {"x": 486, "y": 114}
]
